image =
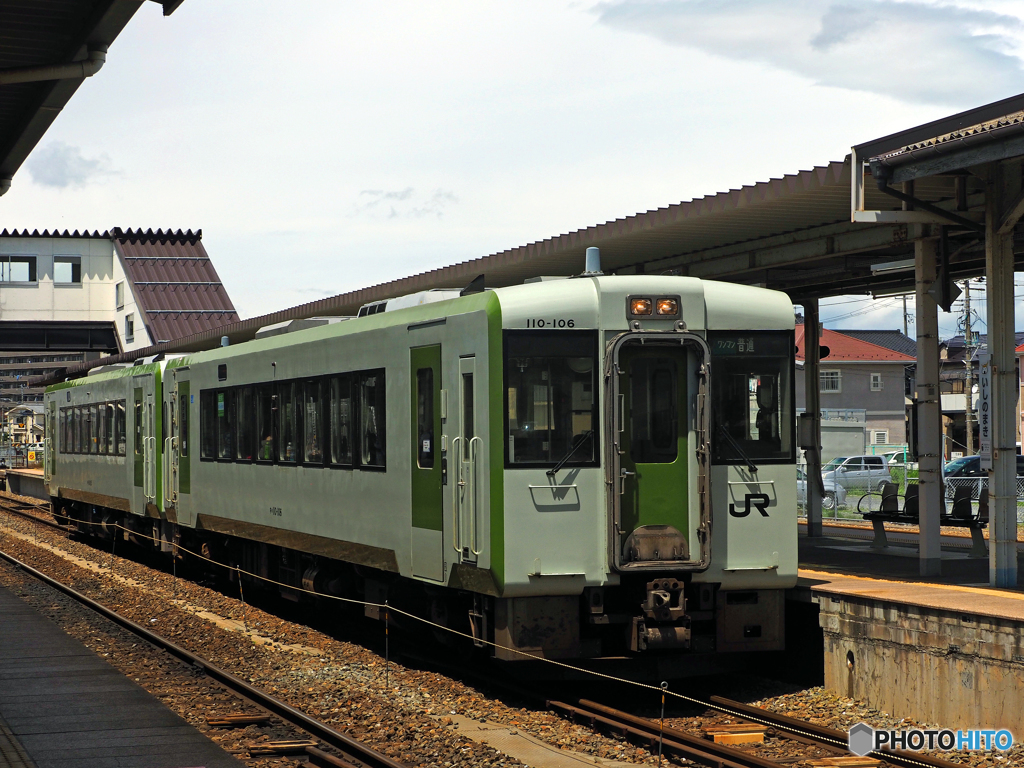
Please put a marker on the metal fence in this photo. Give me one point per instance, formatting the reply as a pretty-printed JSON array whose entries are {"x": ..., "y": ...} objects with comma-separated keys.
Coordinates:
[{"x": 849, "y": 498}]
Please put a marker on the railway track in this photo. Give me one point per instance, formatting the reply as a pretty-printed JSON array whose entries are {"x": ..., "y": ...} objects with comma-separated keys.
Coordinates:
[
  {"x": 674, "y": 742},
  {"x": 354, "y": 753},
  {"x": 679, "y": 743}
]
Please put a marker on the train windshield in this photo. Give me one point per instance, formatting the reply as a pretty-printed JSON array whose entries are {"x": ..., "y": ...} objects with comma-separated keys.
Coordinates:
[
  {"x": 752, "y": 396},
  {"x": 551, "y": 398}
]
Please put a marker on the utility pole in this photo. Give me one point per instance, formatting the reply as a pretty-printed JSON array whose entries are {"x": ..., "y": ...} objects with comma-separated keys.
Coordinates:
[
  {"x": 969, "y": 383},
  {"x": 904, "y": 314}
]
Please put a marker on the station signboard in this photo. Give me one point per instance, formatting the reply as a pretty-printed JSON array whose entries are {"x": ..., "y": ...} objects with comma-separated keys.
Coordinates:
[{"x": 985, "y": 410}]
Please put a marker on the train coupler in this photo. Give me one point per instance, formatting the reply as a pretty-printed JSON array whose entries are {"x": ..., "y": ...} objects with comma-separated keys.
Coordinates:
[
  {"x": 648, "y": 637},
  {"x": 664, "y": 623}
]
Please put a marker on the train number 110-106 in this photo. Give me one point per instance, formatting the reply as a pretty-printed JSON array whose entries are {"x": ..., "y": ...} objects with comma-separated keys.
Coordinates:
[{"x": 556, "y": 323}]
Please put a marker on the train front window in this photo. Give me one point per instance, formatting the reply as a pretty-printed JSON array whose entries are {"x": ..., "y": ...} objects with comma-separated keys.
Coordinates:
[
  {"x": 752, "y": 396},
  {"x": 551, "y": 398}
]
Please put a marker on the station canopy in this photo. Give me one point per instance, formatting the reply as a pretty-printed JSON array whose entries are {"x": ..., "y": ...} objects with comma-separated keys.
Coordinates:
[
  {"x": 819, "y": 232},
  {"x": 47, "y": 50}
]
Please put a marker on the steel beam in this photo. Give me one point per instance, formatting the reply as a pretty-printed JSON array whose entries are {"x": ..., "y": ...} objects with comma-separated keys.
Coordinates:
[
  {"x": 1001, "y": 187},
  {"x": 929, "y": 411}
]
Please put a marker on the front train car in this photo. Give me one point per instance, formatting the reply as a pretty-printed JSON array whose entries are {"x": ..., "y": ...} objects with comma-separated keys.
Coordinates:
[{"x": 649, "y": 468}]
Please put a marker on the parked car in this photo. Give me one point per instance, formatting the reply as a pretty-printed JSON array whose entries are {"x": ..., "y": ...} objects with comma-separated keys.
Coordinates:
[
  {"x": 970, "y": 467},
  {"x": 835, "y": 495},
  {"x": 863, "y": 473}
]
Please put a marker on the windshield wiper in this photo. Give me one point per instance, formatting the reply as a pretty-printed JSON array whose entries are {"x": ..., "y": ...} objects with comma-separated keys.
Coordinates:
[
  {"x": 589, "y": 434},
  {"x": 734, "y": 444}
]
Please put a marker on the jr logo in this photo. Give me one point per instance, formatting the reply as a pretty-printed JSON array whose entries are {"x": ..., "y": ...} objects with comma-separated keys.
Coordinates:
[{"x": 760, "y": 502}]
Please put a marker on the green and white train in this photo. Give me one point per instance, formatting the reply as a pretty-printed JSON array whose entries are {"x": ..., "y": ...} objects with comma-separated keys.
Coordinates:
[{"x": 599, "y": 466}]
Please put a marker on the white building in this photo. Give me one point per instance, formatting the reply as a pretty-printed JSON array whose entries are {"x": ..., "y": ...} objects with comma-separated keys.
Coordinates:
[{"x": 69, "y": 297}]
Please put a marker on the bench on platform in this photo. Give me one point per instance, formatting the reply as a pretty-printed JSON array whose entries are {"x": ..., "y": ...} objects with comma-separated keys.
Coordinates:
[{"x": 960, "y": 515}]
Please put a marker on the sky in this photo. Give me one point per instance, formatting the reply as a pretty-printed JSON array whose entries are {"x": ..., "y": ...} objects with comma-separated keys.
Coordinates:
[{"x": 328, "y": 145}]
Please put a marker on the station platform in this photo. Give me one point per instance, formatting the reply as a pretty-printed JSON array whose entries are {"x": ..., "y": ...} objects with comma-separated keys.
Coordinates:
[
  {"x": 61, "y": 706},
  {"x": 25, "y": 482},
  {"x": 946, "y": 650}
]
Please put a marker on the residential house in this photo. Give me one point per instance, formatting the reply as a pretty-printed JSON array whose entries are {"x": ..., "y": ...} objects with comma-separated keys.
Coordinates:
[
  {"x": 861, "y": 383},
  {"x": 957, "y": 359}
]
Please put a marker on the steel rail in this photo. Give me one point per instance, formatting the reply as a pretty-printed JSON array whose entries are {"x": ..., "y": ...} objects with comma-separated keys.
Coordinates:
[
  {"x": 822, "y": 734},
  {"x": 672, "y": 741},
  {"x": 363, "y": 754}
]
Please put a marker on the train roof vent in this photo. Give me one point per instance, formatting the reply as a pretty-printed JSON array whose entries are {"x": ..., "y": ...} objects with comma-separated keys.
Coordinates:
[
  {"x": 412, "y": 300},
  {"x": 290, "y": 326},
  {"x": 108, "y": 368}
]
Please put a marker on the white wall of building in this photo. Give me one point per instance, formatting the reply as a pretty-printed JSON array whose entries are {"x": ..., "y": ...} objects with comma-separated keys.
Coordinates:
[
  {"x": 91, "y": 299},
  {"x": 130, "y": 309}
]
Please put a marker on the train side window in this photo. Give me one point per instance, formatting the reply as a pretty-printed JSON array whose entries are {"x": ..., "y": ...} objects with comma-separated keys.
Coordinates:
[
  {"x": 312, "y": 420},
  {"x": 183, "y": 424},
  {"x": 77, "y": 429},
  {"x": 265, "y": 405},
  {"x": 138, "y": 425},
  {"x": 119, "y": 427},
  {"x": 341, "y": 420},
  {"x": 425, "y": 418},
  {"x": 373, "y": 448},
  {"x": 94, "y": 428},
  {"x": 226, "y": 424},
  {"x": 289, "y": 408},
  {"x": 208, "y": 424},
  {"x": 63, "y": 422},
  {"x": 246, "y": 417},
  {"x": 104, "y": 425}
]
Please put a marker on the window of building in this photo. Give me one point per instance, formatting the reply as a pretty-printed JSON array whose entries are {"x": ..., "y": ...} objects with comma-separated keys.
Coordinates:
[
  {"x": 880, "y": 437},
  {"x": 17, "y": 269},
  {"x": 129, "y": 328},
  {"x": 876, "y": 382},
  {"x": 67, "y": 270},
  {"x": 119, "y": 295},
  {"x": 831, "y": 381}
]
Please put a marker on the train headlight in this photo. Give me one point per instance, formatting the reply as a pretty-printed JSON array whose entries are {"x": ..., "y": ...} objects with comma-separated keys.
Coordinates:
[
  {"x": 668, "y": 307},
  {"x": 641, "y": 307}
]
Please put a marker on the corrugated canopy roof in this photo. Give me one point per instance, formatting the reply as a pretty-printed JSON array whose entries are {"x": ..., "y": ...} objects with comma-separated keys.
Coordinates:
[
  {"x": 38, "y": 33},
  {"x": 178, "y": 291}
]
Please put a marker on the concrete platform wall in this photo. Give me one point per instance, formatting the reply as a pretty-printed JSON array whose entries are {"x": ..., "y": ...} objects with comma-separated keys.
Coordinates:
[
  {"x": 27, "y": 483},
  {"x": 955, "y": 670}
]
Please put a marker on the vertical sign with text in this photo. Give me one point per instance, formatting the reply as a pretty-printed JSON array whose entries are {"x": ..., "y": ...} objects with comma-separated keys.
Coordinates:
[{"x": 984, "y": 409}]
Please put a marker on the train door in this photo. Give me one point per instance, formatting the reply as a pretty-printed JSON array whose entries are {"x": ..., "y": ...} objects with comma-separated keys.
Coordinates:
[
  {"x": 466, "y": 455},
  {"x": 49, "y": 442},
  {"x": 429, "y": 463},
  {"x": 143, "y": 443},
  {"x": 652, "y": 430},
  {"x": 177, "y": 451}
]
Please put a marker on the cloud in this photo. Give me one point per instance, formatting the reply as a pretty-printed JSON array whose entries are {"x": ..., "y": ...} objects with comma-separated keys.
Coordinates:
[
  {"x": 911, "y": 50},
  {"x": 404, "y": 203},
  {"x": 63, "y": 165}
]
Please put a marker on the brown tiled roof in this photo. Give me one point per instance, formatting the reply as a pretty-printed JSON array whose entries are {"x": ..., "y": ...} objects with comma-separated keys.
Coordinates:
[
  {"x": 843, "y": 348},
  {"x": 177, "y": 289}
]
